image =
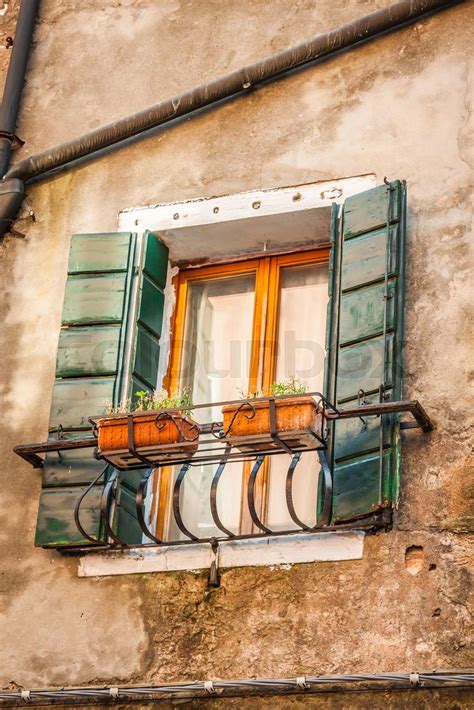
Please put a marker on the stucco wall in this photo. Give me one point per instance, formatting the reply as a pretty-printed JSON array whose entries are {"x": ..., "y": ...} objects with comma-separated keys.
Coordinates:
[{"x": 398, "y": 106}]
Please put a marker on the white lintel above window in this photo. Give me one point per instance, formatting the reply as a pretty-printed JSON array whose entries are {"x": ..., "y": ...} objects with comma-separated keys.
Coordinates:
[{"x": 257, "y": 220}]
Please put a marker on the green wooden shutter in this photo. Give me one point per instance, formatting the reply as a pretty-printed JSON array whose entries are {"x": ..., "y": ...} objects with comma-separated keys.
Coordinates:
[
  {"x": 364, "y": 347},
  {"x": 104, "y": 336}
]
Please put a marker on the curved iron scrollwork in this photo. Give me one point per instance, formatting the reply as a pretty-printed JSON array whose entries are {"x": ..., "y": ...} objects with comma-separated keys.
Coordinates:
[
  {"x": 111, "y": 485},
  {"x": 325, "y": 516},
  {"x": 216, "y": 427},
  {"x": 176, "y": 502},
  {"x": 140, "y": 502},
  {"x": 160, "y": 423},
  {"x": 251, "y": 495},
  {"x": 108, "y": 496},
  {"x": 327, "y": 486},
  {"x": 77, "y": 508},
  {"x": 289, "y": 492},
  {"x": 213, "y": 493}
]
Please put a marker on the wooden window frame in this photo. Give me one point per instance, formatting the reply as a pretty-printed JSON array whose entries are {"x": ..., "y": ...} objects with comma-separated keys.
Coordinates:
[{"x": 267, "y": 270}]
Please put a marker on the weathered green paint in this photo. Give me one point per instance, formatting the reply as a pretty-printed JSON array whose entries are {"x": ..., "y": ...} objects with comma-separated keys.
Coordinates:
[
  {"x": 94, "y": 299},
  {"x": 359, "y": 357},
  {"x": 151, "y": 306},
  {"x": 88, "y": 253},
  {"x": 362, "y": 313},
  {"x": 368, "y": 212},
  {"x": 155, "y": 262},
  {"x": 147, "y": 330},
  {"x": 56, "y": 526},
  {"x": 355, "y": 435},
  {"x": 364, "y": 258},
  {"x": 126, "y": 523},
  {"x": 146, "y": 334},
  {"x": 360, "y": 366},
  {"x": 77, "y": 399},
  {"x": 146, "y": 357},
  {"x": 88, "y": 351},
  {"x": 73, "y": 467},
  {"x": 138, "y": 385},
  {"x": 356, "y": 486},
  {"x": 88, "y": 373}
]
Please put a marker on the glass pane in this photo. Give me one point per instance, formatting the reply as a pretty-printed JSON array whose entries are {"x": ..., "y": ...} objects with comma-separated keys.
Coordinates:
[
  {"x": 216, "y": 364},
  {"x": 300, "y": 353}
]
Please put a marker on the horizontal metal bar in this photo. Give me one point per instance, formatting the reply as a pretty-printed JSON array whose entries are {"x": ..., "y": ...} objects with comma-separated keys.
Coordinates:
[
  {"x": 237, "y": 457},
  {"x": 378, "y": 521},
  {"x": 409, "y": 425},
  {"x": 29, "y": 452},
  {"x": 365, "y": 410}
]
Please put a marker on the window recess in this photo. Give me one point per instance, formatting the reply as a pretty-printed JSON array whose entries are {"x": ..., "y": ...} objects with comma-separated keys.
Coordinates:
[{"x": 109, "y": 343}]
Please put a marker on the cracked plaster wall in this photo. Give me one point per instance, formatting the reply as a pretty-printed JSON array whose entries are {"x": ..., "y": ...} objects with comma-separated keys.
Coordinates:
[{"x": 399, "y": 106}]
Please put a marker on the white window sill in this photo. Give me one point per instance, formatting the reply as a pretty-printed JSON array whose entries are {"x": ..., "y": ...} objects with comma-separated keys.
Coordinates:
[{"x": 268, "y": 551}]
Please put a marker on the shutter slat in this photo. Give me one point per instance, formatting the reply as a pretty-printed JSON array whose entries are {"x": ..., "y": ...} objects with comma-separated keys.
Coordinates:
[
  {"x": 368, "y": 210},
  {"x": 364, "y": 258},
  {"x": 77, "y": 399},
  {"x": 360, "y": 366},
  {"x": 152, "y": 300},
  {"x": 144, "y": 371},
  {"x": 88, "y": 253},
  {"x": 356, "y": 436},
  {"x": 94, "y": 299},
  {"x": 146, "y": 358},
  {"x": 362, "y": 313},
  {"x": 56, "y": 526},
  {"x": 126, "y": 525},
  {"x": 74, "y": 467},
  {"x": 356, "y": 486},
  {"x": 155, "y": 262},
  {"x": 88, "y": 351}
]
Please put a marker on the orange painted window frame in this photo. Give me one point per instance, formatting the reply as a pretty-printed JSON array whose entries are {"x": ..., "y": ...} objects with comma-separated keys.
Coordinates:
[{"x": 267, "y": 270}]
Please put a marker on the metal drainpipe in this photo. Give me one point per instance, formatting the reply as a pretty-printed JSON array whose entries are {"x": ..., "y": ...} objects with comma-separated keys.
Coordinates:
[
  {"x": 242, "y": 80},
  {"x": 15, "y": 77},
  {"x": 12, "y": 191}
]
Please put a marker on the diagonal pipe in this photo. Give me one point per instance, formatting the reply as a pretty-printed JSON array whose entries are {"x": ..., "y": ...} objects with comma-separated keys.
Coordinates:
[{"x": 243, "y": 79}]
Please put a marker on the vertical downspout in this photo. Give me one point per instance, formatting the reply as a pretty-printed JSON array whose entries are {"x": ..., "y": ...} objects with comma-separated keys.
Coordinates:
[
  {"x": 12, "y": 191},
  {"x": 15, "y": 78}
]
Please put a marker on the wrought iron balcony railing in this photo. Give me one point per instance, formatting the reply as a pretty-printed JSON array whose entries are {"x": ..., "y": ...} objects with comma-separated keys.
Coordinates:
[{"x": 216, "y": 447}]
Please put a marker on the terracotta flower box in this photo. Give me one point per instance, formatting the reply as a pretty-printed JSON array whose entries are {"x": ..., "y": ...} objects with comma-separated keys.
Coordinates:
[
  {"x": 298, "y": 420},
  {"x": 156, "y": 436}
]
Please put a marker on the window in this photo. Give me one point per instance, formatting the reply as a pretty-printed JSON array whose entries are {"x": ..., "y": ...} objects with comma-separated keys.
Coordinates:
[
  {"x": 238, "y": 328},
  {"x": 239, "y": 324}
]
